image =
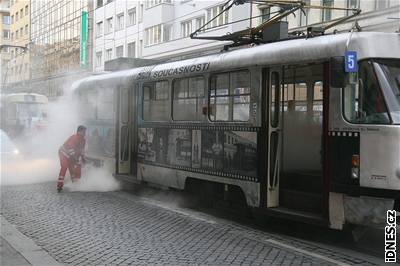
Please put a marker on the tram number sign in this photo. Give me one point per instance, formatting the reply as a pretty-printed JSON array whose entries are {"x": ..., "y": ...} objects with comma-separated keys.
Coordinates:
[{"x": 350, "y": 61}]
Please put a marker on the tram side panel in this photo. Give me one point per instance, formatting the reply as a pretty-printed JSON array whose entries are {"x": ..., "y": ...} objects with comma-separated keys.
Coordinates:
[{"x": 221, "y": 152}]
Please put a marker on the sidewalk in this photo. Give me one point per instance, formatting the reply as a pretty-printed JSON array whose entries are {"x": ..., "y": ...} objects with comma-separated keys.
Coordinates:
[
  {"x": 10, "y": 256},
  {"x": 17, "y": 249}
]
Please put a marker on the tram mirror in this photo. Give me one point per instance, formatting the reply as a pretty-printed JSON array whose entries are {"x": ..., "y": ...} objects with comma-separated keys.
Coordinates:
[{"x": 337, "y": 72}]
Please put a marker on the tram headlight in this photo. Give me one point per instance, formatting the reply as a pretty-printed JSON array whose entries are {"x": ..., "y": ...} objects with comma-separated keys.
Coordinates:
[{"x": 355, "y": 166}]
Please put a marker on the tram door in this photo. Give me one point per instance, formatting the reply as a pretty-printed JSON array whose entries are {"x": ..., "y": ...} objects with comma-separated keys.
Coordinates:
[
  {"x": 301, "y": 166},
  {"x": 274, "y": 135},
  {"x": 124, "y": 138}
]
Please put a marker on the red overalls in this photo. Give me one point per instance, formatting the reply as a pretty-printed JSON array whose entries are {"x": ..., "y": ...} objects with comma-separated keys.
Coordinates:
[{"x": 70, "y": 154}]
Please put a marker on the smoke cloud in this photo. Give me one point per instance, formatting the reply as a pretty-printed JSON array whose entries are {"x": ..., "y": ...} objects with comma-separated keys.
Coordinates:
[{"x": 38, "y": 158}]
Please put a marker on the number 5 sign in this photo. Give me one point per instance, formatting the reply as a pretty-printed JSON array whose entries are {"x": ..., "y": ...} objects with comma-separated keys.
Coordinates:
[{"x": 350, "y": 61}]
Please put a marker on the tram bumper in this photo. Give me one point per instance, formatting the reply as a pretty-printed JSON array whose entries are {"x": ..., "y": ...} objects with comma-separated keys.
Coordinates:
[{"x": 362, "y": 210}]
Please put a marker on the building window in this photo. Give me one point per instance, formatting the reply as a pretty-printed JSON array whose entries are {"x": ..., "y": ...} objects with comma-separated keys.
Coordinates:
[
  {"x": 26, "y": 29},
  {"x": 131, "y": 16},
  {"x": 119, "y": 51},
  {"x": 186, "y": 28},
  {"x": 99, "y": 3},
  {"x": 303, "y": 17},
  {"x": 109, "y": 25},
  {"x": 327, "y": 13},
  {"x": 12, "y": 36},
  {"x": 156, "y": 101},
  {"x": 141, "y": 9},
  {"x": 153, "y": 35},
  {"x": 131, "y": 49},
  {"x": 167, "y": 32},
  {"x": 6, "y": 19},
  {"x": 16, "y": 34},
  {"x": 6, "y": 34},
  {"x": 26, "y": 10},
  {"x": 265, "y": 14},
  {"x": 188, "y": 99},
  {"x": 16, "y": 16},
  {"x": 120, "y": 21},
  {"x": 99, "y": 29},
  {"x": 12, "y": 19},
  {"x": 151, "y": 3},
  {"x": 381, "y": 4},
  {"x": 353, "y": 4},
  {"x": 108, "y": 54},
  {"x": 230, "y": 96},
  {"x": 200, "y": 22},
  {"x": 221, "y": 20},
  {"x": 99, "y": 56},
  {"x": 21, "y": 13}
]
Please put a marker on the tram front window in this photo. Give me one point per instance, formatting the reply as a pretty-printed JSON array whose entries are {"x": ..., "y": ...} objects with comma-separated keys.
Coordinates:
[
  {"x": 364, "y": 101},
  {"x": 388, "y": 72},
  {"x": 31, "y": 111}
]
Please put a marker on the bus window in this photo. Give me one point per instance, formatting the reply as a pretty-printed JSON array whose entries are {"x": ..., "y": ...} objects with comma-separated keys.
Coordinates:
[
  {"x": 156, "y": 101},
  {"x": 364, "y": 101},
  {"x": 188, "y": 99},
  {"x": 230, "y": 96}
]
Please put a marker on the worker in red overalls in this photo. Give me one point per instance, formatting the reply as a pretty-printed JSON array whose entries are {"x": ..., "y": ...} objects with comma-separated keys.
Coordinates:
[{"x": 71, "y": 157}]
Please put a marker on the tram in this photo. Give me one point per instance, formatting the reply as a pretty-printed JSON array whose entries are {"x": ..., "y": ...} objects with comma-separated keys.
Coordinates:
[
  {"x": 23, "y": 113},
  {"x": 281, "y": 125}
]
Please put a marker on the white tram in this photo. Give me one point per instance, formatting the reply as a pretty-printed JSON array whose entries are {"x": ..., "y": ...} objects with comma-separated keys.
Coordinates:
[
  {"x": 23, "y": 113},
  {"x": 280, "y": 125}
]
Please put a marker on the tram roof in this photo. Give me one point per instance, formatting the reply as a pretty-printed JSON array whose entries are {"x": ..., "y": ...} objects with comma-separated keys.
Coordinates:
[
  {"x": 296, "y": 51},
  {"x": 21, "y": 97}
]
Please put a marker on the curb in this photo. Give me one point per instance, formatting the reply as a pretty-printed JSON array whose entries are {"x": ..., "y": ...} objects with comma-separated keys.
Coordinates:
[{"x": 34, "y": 254}]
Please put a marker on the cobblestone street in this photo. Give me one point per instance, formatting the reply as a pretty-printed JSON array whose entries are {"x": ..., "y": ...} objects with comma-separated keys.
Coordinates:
[{"x": 118, "y": 228}]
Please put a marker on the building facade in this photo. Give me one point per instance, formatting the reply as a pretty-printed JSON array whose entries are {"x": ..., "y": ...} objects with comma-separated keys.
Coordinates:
[
  {"x": 56, "y": 44},
  {"x": 159, "y": 29},
  {"x": 376, "y": 15},
  {"x": 19, "y": 66},
  {"x": 51, "y": 33},
  {"x": 4, "y": 40}
]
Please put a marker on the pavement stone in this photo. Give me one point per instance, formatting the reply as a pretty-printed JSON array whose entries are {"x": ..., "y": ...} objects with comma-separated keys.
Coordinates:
[{"x": 118, "y": 228}]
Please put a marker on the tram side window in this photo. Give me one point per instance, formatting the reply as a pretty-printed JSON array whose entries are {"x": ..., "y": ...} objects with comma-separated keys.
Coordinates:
[
  {"x": 230, "y": 96},
  {"x": 156, "y": 101},
  {"x": 105, "y": 104},
  {"x": 363, "y": 99},
  {"x": 188, "y": 99},
  {"x": 12, "y": 111},
  {"x": 88, "y": 104}
]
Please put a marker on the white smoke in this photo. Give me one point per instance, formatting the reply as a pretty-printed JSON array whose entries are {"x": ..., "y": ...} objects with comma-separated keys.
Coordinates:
[
  {"x": 94, "y": 179},
  {"x": 38, "y": 159}
]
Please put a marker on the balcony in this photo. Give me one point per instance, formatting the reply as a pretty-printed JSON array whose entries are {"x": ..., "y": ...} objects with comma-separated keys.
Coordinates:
[{"x": 158, "y": 14}]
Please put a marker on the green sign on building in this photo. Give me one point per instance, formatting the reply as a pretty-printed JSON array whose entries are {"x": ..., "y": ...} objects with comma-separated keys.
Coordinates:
[{"x": 83, "y": 39}]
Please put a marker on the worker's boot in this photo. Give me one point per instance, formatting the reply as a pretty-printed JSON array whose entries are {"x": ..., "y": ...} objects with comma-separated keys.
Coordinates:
[{"x": 60, "y": 183}]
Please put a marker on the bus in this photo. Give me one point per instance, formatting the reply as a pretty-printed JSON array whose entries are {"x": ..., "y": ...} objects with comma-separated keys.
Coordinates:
[{"x": 281, "y": 126}]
